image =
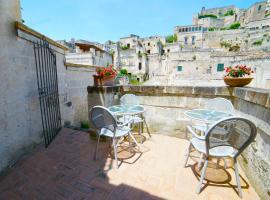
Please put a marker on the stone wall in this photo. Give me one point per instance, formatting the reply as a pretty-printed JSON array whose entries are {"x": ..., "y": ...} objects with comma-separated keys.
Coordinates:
[
  {"x": 165, "y": 107},
  {"x": 20, "y": 118},
  {"x": 75, "y": 107}
]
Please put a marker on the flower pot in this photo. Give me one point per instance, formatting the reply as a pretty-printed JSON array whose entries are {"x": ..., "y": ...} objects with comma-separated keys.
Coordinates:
[
  {"x": 97, "y": 80},
  {"x": 108, "y": 80},
  {"x": 237, "y": 81}
]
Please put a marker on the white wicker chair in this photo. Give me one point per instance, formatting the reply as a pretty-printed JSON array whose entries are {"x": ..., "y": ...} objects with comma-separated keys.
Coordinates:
[
  {"x": 107, "y": 125},
  {"x": 216, "y": 104},
  {"x": 133, "y": 100},
  {"x": 226, "y": 138}
]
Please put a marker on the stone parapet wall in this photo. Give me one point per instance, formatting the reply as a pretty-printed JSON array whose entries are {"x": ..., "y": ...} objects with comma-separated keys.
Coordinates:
[{"x": 165, "y": 107}]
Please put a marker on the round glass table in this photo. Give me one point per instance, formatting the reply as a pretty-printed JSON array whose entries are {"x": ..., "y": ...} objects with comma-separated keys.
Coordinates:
[
  {"x": 126, "y": 109},
  {"x": 207, "y": 116}
]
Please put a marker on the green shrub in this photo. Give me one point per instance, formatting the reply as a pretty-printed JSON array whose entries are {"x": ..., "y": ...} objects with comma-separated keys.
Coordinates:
[
  {"x": 123, "y": 72},
  {"x": 234, "y": 48},
  {"x": 124, "y": 47},
  {"x": 171, "y": 38},
  {"x": 258, "y": 42},
  {"x": 207, "y": 15},
  {"x": 229, "y": 13},
  {"x": 225, "y": 44},
  {"x": 85, "y": 125},
  {"x": 235, "y": 25},
  {"x": 267, "y": 15},
  {"x": 211, "y": 29},
  {"x": 140, "y": 54},
  {"x": 111, "y": 52}
]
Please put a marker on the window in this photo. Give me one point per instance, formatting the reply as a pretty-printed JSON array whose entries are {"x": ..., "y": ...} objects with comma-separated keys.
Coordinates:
[
  {"x": 220, "y": 67},
  {"x": 168, "y": 50},
  {"x": 128, "y": 45},
  {"x": 148, "y": 51},
  {"x": 140, "y": 66},
  {"x": 186, "y": 40},
  {"x": 260, "y": 7},
  {"x": 193, "y": 39},
  {"x": 148, "y": 43},
  {"x": 179, "y": 68}
]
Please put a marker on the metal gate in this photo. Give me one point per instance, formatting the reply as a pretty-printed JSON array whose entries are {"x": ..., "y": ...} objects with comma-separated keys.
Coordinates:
[{"x": 46, "y": 69}]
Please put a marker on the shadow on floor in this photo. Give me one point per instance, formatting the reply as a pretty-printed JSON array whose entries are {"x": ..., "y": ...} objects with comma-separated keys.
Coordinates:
[
  {"x": 217, "y": 175},
  {"x": 65, "y": 170}
]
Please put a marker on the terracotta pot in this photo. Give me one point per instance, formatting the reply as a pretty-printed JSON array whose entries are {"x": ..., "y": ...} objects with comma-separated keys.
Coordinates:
[
  {"x": 105, "y": 80},
  {"x": 97, "y": 80},
  {"x": 237, "y": 82},
  {"x": 108, "y": 80}
]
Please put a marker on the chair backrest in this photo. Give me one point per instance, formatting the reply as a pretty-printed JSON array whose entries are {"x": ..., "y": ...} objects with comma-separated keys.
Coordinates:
[
  {"x": 129, "y": 99},
  {"x": 236, "y": 132},
  {"x": 220, "y": 104},
  {"x": 102, "y": 118}
]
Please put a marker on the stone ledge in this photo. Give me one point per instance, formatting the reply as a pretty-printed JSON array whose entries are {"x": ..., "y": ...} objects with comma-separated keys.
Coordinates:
[
  {"x": 254, "y": 95},
  {"x": 26, "y": 29},
  {"x": 80, "y": 65},
  {"x": 102, "y": 89},
  {"x": 179, "y": 90}
]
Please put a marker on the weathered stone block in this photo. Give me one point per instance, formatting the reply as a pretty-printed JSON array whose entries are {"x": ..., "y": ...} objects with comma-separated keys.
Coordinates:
[
  {"x": 204, "y": 91},
  {"x": 239, "y": 93}
]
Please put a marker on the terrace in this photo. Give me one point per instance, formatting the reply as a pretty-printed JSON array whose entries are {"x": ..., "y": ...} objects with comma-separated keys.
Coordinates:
[
  {"x": 37, "y": 84},
  {"x": 66, "y": 170}
]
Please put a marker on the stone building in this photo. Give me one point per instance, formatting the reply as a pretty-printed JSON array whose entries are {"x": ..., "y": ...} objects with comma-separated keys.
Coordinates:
[
  {"x": 225, "y": 16},
  {"x": 88, "y": 53},
  {"x": 191, "y": 55}
]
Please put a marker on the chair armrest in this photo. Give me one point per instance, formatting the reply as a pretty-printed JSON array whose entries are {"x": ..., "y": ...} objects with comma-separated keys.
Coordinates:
[{"x": 195, "y": 134}]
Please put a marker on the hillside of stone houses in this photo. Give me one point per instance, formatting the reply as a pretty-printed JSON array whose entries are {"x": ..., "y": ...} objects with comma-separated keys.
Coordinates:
[{"x": 238, "y": 36}]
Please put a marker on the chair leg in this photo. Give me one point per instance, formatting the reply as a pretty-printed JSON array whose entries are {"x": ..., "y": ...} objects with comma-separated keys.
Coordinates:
[
  {"x": 129, "y": 143},
  {"x": 95, "y": 154},
  {"x": 148, "y": 132},
  {"x": 140, "y": 128},
  {"x": 218, "y": 162},
  {"x": 187, "y": 154},
  {"x": 115, "y": 152},
  {"x": 200, "y": 161},
  {"x": 202, "y": 177},
  {"x": 237, "y": 178},
  {"x": 225, "y": 163},
  {"x": 132, "y": 137}
]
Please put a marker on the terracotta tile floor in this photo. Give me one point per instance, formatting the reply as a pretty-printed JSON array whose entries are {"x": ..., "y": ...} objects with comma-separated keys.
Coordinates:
[{"x": 65, "y": 170}]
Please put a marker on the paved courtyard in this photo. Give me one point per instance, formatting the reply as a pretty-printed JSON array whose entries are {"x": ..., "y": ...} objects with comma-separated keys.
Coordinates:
[{"x": 65, "y": 170}]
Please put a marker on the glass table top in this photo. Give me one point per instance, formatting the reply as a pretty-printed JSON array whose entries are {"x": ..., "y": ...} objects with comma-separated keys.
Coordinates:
[
  {"x": 126, "y": 109},
  {"x": 206, "y": 115}
]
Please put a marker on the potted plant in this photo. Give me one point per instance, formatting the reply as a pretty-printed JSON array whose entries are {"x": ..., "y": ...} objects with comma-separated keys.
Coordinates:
[
  {"x": 123, "y": 77},
  {"x": 238, "y": 76},
  {"x": 105, "y": 76}
]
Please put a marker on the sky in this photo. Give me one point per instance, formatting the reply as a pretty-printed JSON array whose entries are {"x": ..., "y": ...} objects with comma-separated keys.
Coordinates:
[{"x": 102, "y": 20}]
